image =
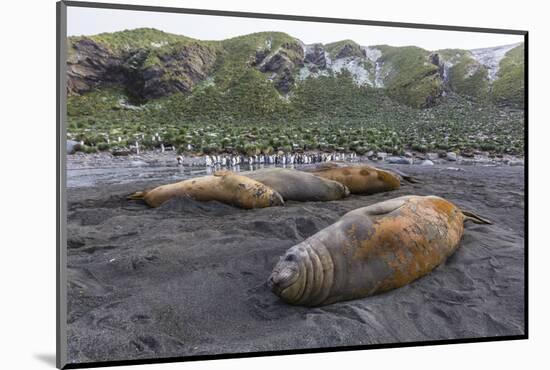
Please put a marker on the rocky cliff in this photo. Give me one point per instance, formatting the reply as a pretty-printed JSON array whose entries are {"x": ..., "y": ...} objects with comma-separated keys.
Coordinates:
[{"x": 151, "y": 64}]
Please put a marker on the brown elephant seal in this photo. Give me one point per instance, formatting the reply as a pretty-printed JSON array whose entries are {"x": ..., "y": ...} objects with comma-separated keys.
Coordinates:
[
  {"x": 224, "y": 186},
  {"x": 370, "y": 250},
  {"x": 359, "y": 179},
  {"x": 298, "y": 185}
]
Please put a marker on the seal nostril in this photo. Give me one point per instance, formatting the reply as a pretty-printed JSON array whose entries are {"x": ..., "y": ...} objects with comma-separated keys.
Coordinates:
[{"x": 290, "y": 257}]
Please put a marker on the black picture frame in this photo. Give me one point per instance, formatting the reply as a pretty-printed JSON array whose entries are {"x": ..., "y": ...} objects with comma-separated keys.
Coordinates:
[{"x": 61, "y": 199}]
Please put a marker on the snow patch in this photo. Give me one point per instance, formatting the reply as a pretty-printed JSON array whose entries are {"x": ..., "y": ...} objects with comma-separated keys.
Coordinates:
[
  {"x": 491, "y": 57},
  {"x": 124, "y": 104},
  {"x": 306, "y": 72},
  {"x": 355, "y": 67},
  {"x": 446, "y": 67},
  {"x": 373, "y": 54},
  {"x": 379, "y": 75},
  {"x": 159, "y": 44}
]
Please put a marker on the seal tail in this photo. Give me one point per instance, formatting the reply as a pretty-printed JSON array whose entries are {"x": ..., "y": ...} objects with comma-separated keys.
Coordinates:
[
  {"x": 469, "y": 216},
  {"x": 138, "y": 195},
  {"x": 411, "y": 179},
  {"x": 406, "y": 177}
]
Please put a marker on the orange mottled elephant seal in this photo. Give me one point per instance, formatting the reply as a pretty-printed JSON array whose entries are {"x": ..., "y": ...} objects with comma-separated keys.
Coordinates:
[
  {"x": 224, "y": 186},
  {"x": 359, "y": 179},
  {"x": 371, "y": 250},
  {"x": 298, "y": 185}
]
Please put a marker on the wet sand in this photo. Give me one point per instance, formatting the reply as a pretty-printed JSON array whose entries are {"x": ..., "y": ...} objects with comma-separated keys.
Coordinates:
[{"x": 188, "y": 278}]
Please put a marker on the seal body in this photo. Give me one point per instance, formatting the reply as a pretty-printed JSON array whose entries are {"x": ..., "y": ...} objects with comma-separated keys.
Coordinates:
[
  {"x": 370, "y": 250},
  {"x": 359, "y": 179},
  {"x": 298, "y": 185},
  {"x": 226, "y": 187}
]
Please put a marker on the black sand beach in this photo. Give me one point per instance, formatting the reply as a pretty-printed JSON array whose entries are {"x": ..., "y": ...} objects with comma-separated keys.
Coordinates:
[{"x": 189, "y": 278}]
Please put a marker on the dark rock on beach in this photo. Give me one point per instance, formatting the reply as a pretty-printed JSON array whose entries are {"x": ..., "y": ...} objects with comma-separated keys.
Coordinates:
[
  {"x": 72, "y": 146},
  {"x": 451, "y": 156},
  {"x": 189, "y": 278},
  {"x": 398, "y": 160}
]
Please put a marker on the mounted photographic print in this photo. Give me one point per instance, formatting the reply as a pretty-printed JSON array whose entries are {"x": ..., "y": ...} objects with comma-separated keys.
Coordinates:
[{"x": 237, "y": 184}]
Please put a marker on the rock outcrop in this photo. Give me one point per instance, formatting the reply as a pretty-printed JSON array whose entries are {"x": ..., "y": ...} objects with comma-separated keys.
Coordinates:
[
  {"x": 179, "y": 71},
  {"x": 350, "y": 50},
  {"x": 281, "y": 65},
  {"x": 91, "y": 65},
  {"x": 315, "y": 54}
]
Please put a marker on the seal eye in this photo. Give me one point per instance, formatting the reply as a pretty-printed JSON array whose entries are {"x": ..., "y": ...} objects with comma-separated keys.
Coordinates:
[{"x": 290, "y": 257}]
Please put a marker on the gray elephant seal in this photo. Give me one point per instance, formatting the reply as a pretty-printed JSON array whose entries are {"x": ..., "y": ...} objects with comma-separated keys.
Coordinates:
[
  {"x": 371, "y": 250},
  {"x": 298, "y": 185}
]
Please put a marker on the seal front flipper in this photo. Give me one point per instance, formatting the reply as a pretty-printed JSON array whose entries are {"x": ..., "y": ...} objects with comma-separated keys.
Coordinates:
[
  {"x": 469, "y": 216},
  {"x": 385, "y": 207}
]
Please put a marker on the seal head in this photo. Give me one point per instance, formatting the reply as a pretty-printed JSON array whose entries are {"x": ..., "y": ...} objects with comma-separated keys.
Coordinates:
[
  {"x": 304, "y": 275},
  {"x": 285, "y": 280}
]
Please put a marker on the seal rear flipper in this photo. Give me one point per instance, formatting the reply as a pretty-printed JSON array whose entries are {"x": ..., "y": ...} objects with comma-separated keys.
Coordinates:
[
  {"x": 469, "y": 216},
  {"x": 138, "y": 195},
  {"x": 406, "y": 177},
  {"x": 411, "y": 179}
]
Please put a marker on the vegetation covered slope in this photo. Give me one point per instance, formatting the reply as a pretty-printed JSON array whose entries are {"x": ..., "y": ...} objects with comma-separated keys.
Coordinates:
[
  {"x": 464, "y": 74},
  {"x": 508, "y": 89},
  {"x": 409, "y": 76},
  {"x": 370, "y": 121}
]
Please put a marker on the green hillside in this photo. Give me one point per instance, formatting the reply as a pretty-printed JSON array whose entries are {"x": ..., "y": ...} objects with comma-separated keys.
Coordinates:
[
  {"x": 508, "y": 89},
  {"x": 250, "y": 94},
  {"x": 410, "y": 78}
]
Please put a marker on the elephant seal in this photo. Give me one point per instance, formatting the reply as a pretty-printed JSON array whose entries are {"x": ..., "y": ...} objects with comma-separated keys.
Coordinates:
[
  {"x": 298, "y": 185},
  {"x": 370, "y": 250},
  {"x": 224, "y": 186},
  {"x": 360, "y": 179}
]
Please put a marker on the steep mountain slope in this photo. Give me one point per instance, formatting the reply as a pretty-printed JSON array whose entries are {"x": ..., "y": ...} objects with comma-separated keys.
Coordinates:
[{"x": 152, "y": 64}]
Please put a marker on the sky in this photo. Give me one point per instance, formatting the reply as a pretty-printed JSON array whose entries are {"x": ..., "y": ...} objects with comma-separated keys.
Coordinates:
[{"x": 90, "y": 21}]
